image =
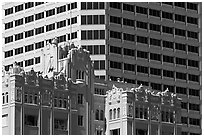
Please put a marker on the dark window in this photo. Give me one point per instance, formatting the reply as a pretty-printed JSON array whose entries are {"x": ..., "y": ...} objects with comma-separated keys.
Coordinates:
[
  {"x": 168, "y": 59},
  {"x": 194, "y": 92},
  {"x": 155, "y": 27},
  {"x": 39, "y": 16},
  {"x": 97, "y": 115},
  {"x": 128, "y": 7},
  {"x": 171, "y": 88},
  {"x": 168, "y": 3},
  {"x": 167, "y": 15},
  {"x": 192, "y": 34},
  {"x": 181, "y": 18},
  {"x": 193, "y": 63},
  {"x": 7, "y": 67},
  {"x": 115, "y": 5},
  {"x": 61, "y": 9},
  {"x": 168, "y": 73},
  {"x": 156, "y": 86},
  {"x": 8, "y": 11},
  {"x": 101, "y": 19},
  {"x": 180, "y": 4},
  {"x": 184, "y": 120},
  {"x": 80, "y": 120},
  {"x": 155, "y": 42},
  {"x": 50, "y": 27},
  {"x": 37, "y": 60},
  {"x": 193, "y": 49},
  {"x": 18, "y": 36},
  {"x": 29, "y": 62},
  {"x": 129, "y": 67},
  {"x": 141, "y": 10},
  {"x": 96, "y": 34},
  {"x": 142, "y": 25},
  {"x": 181, "y": 90},
  {"x": 116, "y": 65},
  {"x": 184, "y": 105},
  {"x": 195, "y": 107},
  {"x": 180, "y": 61},
  {"x": 61, "y": 38},
  {"x": 142, "y": 69},
  {"x": 74, "y": 5},
  {"x": 50, "y": 12},
  {"x": 128, "y": 52},
  {"x": 192, "y": 20},
  {"x": 194, "y": 78},
  {"x": 128, "y": 22},
  {"x": 180, "y": 75},
  {"x": 168, "y": 44},
  {"x": 61, "y": 24},
  {"x": 102, "y": 49},
  {"x": 29, "y": 19},
  {"x": 102, "y": 34},
  {"x": 114, "y": 19},
  {"x": 19, "y": 8},
  {"x": 115, "y": 34},
  {"x": 74, "y": 35},
  {"x": 129, "y": 80},
  {"x": 154, "y": 56},
  {"x": 128, "y": 37},
  {"x": 166, "y": 29},
  {"x": 83, "y": 19},
  {"x": 18, "y": 22},
  {"x": 29, "y": 33},
  {"x": 142, "y": 54},
  {"x": 141, "y": 39},
  {"x": 18, "y": 50},
  {"x": 153, "y": 12},
  {"x": 38, "y": 3},
  {"x": 8, "y": 53},
  {"x": 39, "y": 45},
  {"x": 96, "y": 49},
  {"x": 139, "y": 82},
  {"x": 180, "y": 32},
  {"x": 192, "y": 6},
  {"x": 8, "y": 39},
  {"x": 31, "y": 120},
  {"x": 8, "y": 25},
  {"x": 180, "y": 46},
  {"x": 80, "y": 98},
  {"x": 116, "y": 50},
  {"x": 29, "y": 5},
  {"x": 101, "y": 5},
  {"x": 194, "y": 121},
  {"x": 95, "y": 19},
  {"x": 96, "y": 65},
  {"x": 83, "y": 35},
  {"x": 74, "y": 20},
  {"x": 155, "y": 71},
  {"x": 29, "y": 47}
]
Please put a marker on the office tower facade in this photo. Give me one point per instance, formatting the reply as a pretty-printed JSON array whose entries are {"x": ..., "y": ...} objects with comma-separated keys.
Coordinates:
[{"x": 154, "y": 44}]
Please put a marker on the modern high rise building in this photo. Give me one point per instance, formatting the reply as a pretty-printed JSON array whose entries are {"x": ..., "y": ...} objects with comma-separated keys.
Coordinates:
[{"x": 156, "y": 44}]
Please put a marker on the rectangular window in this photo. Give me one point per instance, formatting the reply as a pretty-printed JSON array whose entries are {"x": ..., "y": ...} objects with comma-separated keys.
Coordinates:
[
  {"x": 192, "y": 20},
  {"x": 181, "y": 90},
  {"x": 129, "y": 67},
  {"x": 141, "y": 39},
  {"x": 154, "y": 56},
  {"x": 29, "y": 47},
  {"x": 39, "y": 45},
  {"x": 18, "y": 50},
  {"x": 83, "y": 35},
  {"x": 74, "y": 20},
  {"x": 50, "y": 12},
  {"x": 29, "y": 5},
  {"x": 180, "y": 4},
  {"x": 50, "y": 27},
  {"x": 142, "y": 69},
  {"x": 37, "y": 60},
  {"x": 18, "y": 36},
  {"x": 155, "y": 42},
  {"x": 29, "y": 62},
  {"x": 8, "y": 39},
  {"x": 167, "y": 15},
  {"x": 61, "y": 38},
  {"x": 142, "y": 25},
  {"x": 192, "y": 34},
  {"x": 139, "y": 82},
  {"x": 38, "y": 3},
  {"x": 31, "y": 120},
  {"x": 116, "y": 50},
  {"x": 29, "y": 33},
  {"x": 180, "y": 46},
  {"x": 184, "y": 120},
  {"x": 74, "y": 5},
  {"x": 194, "y": 92},
  {"x": 168, "y": 59},
  {"x": 155, "y": 27},
  {"x": 194, "y": 78},
  {"x": 128, "y": 37},
  {"x": 156, "y": 86},
  {"x": 80, "y": 98},
  {"x": 141, "y": 10},
  {"x": 102, "y": 49},
  {"x": 116, "y": 65},
  {"x": 142, "y": 54},
  {"x": 168, "y": 44},
  {"x": 102, "y": 34},
  {"x": 8, "y": 11},
  {"x": 193, "y": 49},
  {"x": 180, "y": 75},
  {"x": 19, "y": 8},
  {"x": 194, "y": 121},
  {"x": 181, "y": 18},
  {"x": 192, "y": 6},
  {"x": 61, "y": 9},
  {"x": 114, "y": 19},
  {"x": 80, "y": 120},
  {"x": 101, "y": 19},
  {"x": 171, "y": 88},
  {"x": 19, "y": 22},
  {"x": 180, "y": 61},
  {"x": 39, "y": 16},
  {"x": 180, "y": 32},
  {"x": 8, "y": 53},
  {"x": 153, "y": 12},
  {"x": 155, "y": 71},
  {"x": 115, "y": 34},
  {"x": 128, "y": 7},
  {"x": 128, "y": 52},
  {"x": 193, "y": 63},
  {"x": 195, "y": 107},
  {"x": 8, "y": 25},
  {"x": 166, "y": 29},
  {"x": 115, "y": 5},
  {"x": 74, "y": 35},
  {"x": 61, "y": 24},
  {"x": 168, "y": 73},
  {"x": 184, "y": 105},
  {"x": 128, "y": 22},
  {"x": 83, "y": 19},
  {"x": 39, "y": 30},
  {"x": 83, "y": 5},
  {"x": 29, "y": 19}
]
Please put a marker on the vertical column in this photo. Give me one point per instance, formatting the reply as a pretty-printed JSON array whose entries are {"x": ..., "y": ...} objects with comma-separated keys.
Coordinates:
[
  {"x": 160, "y": 119},
  {"x": 175, "y": 122},
  {"x": 52, "y": 114},
  {"x": 149, "y": 120}
]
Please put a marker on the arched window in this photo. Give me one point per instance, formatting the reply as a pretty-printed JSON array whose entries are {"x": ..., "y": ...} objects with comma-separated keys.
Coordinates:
[
  {"x": 97, "y": 114},
  {"x": 114, "y": 113},
  {"x": 110, "y": 114},
  {"x": 101, "y": 115},
  {"x": 118, "y": 113}
]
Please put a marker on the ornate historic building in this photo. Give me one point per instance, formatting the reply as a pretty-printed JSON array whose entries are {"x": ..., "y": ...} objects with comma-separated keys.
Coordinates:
[{"x": 141, "y": 111}]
